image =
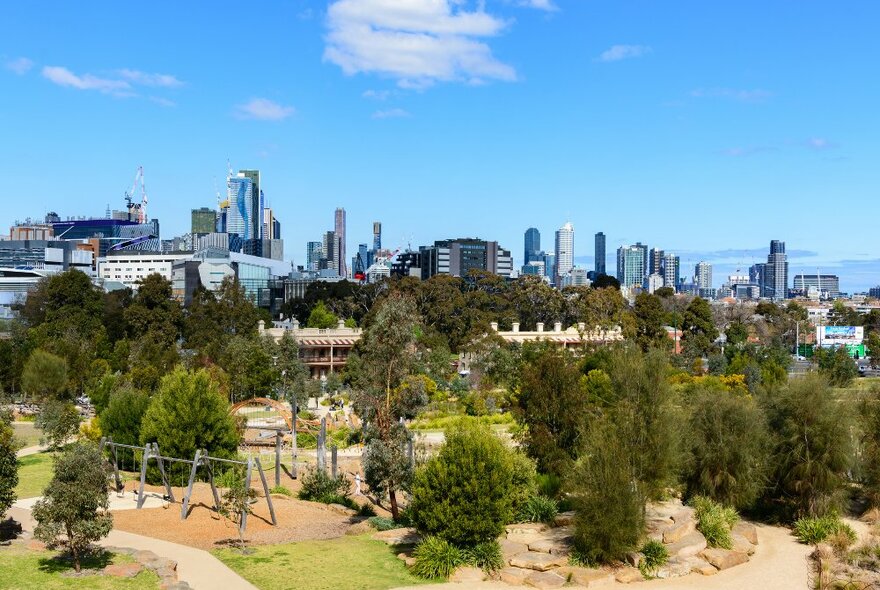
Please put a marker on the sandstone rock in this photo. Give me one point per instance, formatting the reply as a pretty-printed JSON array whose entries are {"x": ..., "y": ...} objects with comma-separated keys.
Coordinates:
[
  {"x": 676, "y": 567},
  {"x": 634, "y": 558},
  {"x": 724, "y": 559},
  {"x": 689, "y": 545},
  {"x": 514, "y": 576},
  {"x": 540, "y": 562},
  {"x": 683, "y": 514},
  {"x": 701, "y": 566},
  {"x": 554, "y": 546},
  {"x": 526, "y": 528},
  {"x": 741, "y": 544},
  {"x": 340, "y": 509},
  {"x": 675, "y": 532},
  {"x": 467, "y": 574},
  {"x": 655, "y": 526},
  {"x": 510, "y": 548},
  {"x": 747, "y": 530},
  {"x": 360, "y": 528},
  {"x": 407, "y": 536},
  {"x": 628, "y": 575},
  {"x": 586, "y": 577},
  {"x": 123, "y": 570},
  {"x": 544, "y": 580},
  {"x": 564, "y": 519},
  {"x": 144, "y": 556}
]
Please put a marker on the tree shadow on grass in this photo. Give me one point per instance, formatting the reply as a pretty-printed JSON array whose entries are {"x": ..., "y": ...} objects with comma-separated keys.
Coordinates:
[{"x": 95, "y": 560}]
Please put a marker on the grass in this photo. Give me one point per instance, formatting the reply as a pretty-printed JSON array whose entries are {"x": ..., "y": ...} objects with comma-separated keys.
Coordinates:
[
  {"x": 315, "y": 565},
  {"x": 27, "y": 433},
  {"x": 441, "y": 423},
  {"x": 23, "y": 569},
  {"x": 34, "y": 474}
]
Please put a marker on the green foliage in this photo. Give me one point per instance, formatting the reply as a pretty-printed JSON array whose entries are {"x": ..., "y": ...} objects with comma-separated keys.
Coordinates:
[
  {"x": 383, "y": 524},
  {"x": 436, "y": 558},
  {"x": 248, "y": 363},
  {"x": 869, "y": 418},
  {"x": 59, "y": 420},
  {"x": 714, "y": 521},
  {"x": 525, "y": 478},
  {"x": 609, "y": 519},
  {"x": 281, "y": 490},
  {"x": 836, "y": 365},
  {"x": 813, "y": 446},
  {"x": 44, "y": 376},
  {"x": 74, "y": 510},
  {"x": 366, "y": 510},
  {"x": 655, "y": 556},
  {"x": 321, "y": 317},
  {"x": 554, "y": 407},
  {"x": 549, "y": 485},
  {"x": 729, "y": 449},
  {"x": 464, "y": 493},
  {"x": 650, "y": 316},
  {"x": 122, "y": 418},
  {"x": 188, "y": 413},
  {"x": 698, "y": 328},
  {"x": 318, "y": 486},
  {"x": 538, "y": 509},
  {"x": 236, "y": 502},
  {"x": 486, "y": 556},
  {"x": 8, "y": 462},
  {"x": 812, "y": 531}
]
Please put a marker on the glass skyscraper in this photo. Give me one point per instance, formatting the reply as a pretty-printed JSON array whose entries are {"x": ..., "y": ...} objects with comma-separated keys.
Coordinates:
[
  {"x": 600, "y": 254},
  {"x": 564, "y": 252},
  {"x": 245, "y": 216},
  {"x": 532, "y": 250}
]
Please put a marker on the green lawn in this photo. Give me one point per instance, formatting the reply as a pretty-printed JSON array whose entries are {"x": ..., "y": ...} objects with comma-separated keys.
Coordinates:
[
  {"x": 34, "y": 474},
  {"x": 27, "y": 433},
  {"x": 355, "y": 563},
  {"x": 23, "y": 569}
]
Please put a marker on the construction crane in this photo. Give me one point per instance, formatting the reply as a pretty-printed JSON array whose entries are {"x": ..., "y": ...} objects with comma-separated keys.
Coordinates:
[{"x": 137, "y": 209}]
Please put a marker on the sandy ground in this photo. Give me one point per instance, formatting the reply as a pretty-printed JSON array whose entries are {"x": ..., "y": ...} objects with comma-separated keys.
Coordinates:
[{"x": 206, "y": 529}]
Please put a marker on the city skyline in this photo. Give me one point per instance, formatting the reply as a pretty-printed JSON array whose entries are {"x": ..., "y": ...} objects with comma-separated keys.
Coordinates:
[{"x": 718, "y": 151}]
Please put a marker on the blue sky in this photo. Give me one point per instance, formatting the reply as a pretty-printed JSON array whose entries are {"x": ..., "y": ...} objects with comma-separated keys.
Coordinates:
[{"x": 698, "y": 127}]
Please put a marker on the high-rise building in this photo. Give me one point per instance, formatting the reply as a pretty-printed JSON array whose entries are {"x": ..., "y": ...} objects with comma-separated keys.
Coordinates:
[
  {"x": 460, "y": 256},
  {"x": 257, "y": 204},
  {"x": 874, "y": 292},
  {"x": 377, "y": 236},
  {"x": 703, "y": 275},
  {"x": 330, "y": 249},
  {"x": 564, "y": 252},
  {"x": 631, "y": 265},
  {"x": 671, "y": 271},
  {"x": 775, "y": 284},
  {"x": 339, "y": 228},
  {"x": 245, "y": 214},
  {"x": 644, "y": 249},
  {"x": 655, "y": 262},
  {"x": 204, "y": 220},
  {"x": 600, "y": 254},
  {"x": 532, "y": 245},
  {"x": 271, "y": 225},
  {"x": 826, "y": 286},
  {"x": 314, "y": 253},
  {"x": 549, "y": 265}
]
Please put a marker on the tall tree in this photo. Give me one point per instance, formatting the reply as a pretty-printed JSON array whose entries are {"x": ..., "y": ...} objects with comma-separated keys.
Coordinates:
[
  {"x": 383, "y": 359},
  {"x": 321, "y": 317},
  {"x": 45, "y": 376},
  {"x": 698, "y": 327},
  {"x": 649, "y": 314},
  {"x": 8, "y": 462}
]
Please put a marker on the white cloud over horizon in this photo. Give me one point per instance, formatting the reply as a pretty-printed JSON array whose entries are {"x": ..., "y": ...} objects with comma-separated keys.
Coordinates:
[
  {"x": 19, "y": 65},
  {"x": 145, "y": 79},
  {"x": 263, "y": 109},
  {"x": 621, "y": 52},
  {"x": 63, "y": 77},
  {"x": 417, "y": 42}
]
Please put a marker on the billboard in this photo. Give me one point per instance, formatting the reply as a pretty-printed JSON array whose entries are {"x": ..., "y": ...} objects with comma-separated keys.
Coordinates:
[{"x": 839, "y": 335}]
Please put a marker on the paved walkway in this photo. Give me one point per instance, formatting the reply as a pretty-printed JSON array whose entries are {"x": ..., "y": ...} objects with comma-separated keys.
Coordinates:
[
  {"x": 200, "y": 569},
  {"x": 30, "y": 451}
]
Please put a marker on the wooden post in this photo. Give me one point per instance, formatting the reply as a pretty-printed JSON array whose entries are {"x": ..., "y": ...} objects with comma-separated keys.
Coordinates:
[
  {"x": 266, "y": 490},
  {"x": 322, "y": 454},
  {"x": 247, "y": 485},
  {"x": 333, "y": 464},
  {"x": 189, "y": 488},
  {"x": 278, "y": 458},
  {"x": 165, "y": 478},
  {"x": 145, "y": 457},
  {"x": 293, "y": 442},
  {"x": 116, "y": 467},
  {"x": 210, "y": 467}
]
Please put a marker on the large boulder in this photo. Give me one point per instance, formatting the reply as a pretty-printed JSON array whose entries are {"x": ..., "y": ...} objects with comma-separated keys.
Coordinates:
[
  {"x": 747, "y": 530},
  {"x": 741, "y": 544},
  {"x": 545, "y": 580},
  {"x": 467, "y": 574},
  {"x": 586, "y": 577},
  {"x": 514, "y": 576},
  {"x": 675, "y": 532},
  {"x": 123, "y": 570},
  {"x": 628, "y": 575},
  {"x": 407, "y": 536},
  {"x": 540, "y": 562},
  {"x": 688, "y": 546},
  {"x": 510, "y": 548},
  {"x": 723, "y": 558},
  {"x": 676, "y": 567}
]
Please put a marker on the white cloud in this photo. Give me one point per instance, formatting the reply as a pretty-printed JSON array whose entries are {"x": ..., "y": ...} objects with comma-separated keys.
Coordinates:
[
  {"x": 145, "y": 79},
  {"x": 547, "y": 5},
  {"x": 377, "y": 94},
  {"x": 263, "y": 109},
  {"x": 163, "y": 101},
  {"x": 416, "y": 42},
  {"x": 819, "y": 143},
  {"x": 19, "y": 65},
  {"x": 64, "y": 77},
  {"x": 391, "y": 114},
  {"x": 756, "y": 95},
  {"x": 619, "y": 52}
]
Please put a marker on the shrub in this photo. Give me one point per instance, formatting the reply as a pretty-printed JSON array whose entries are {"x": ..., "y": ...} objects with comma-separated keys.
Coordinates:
[
  {"x": 486, "y": 556},
  {"x": 282, "y": 490},
  {"x": 464, "y": 493},
  {"x": 8, "y": 462},
  {"x": 59, "y": 421},
  {"x": 366, "y": 510},
  {"x": 381, "y": 523},
  {"x": 812, "y": 531},
  {"x": 714, "y": 521},
  {"x": 524, "y": 481},
  {"x": 549, "y": 485},
  {"x": 436, "y": 558},
  {"x": 318, "y": 486},
  {"x": 124, "y": 414},
  {"x": 655, "y": 556},
  {"x": 539, "y": 509}
]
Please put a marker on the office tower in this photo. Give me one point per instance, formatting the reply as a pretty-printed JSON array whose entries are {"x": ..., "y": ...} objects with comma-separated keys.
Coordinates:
[
  {"x": 339, "y": 228},
  {"x": 631, "y": 265},
  {"x": 377, "y": 236},
  {"x": 460, "y": 256},
  {"x": 775, "y": 284},
  {"x": 564, "y": 252},
  {"x": 532, "y": 245},
  {"x": 204, "y": 221},
  {"x": 330, "y": 247},
  {"x": 644, "y": 249},
  {"x": 703, "y": 275},
  {"x": 241, "y": 212},
  {"x": 366, "y": 258},
  {"x": 671, "y": 271},
  {"x": 271, "y": 226},
  {"x": 825, "y": 286},
  {"x": 600, "y": 254},
  {"x": 549, "y": 265},
  {"x": 655, "y": 262},
  {"x": 257, "y": 204},
  {"x": 314, "y": 254}
]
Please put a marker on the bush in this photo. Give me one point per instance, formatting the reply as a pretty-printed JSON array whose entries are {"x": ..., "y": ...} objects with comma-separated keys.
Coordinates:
[
  {"x": 8, "y": 462},
  {"x": 436, "y": 558},
  {"x": 486, "y": 556},
  {"x": 714, "y": 521},
  {"x": 655, "y": 557},
  {"x": 59, "y": 421},
  {"x": 539, "y": 509},
  {"x": 811, "y": 531},
  {"x": 366, "y": 510},
  {"x": 122, "y": 418},
  {"x": 318, "y": 486},
  {"x": 524, "y": 481},
  {"x": 382, "y": 524},
  {"x": 281, "y": 490},
  {"x": 464, "y": 493}
]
